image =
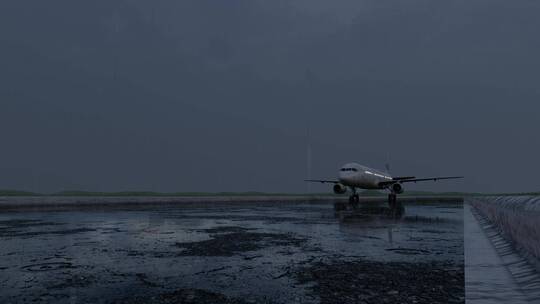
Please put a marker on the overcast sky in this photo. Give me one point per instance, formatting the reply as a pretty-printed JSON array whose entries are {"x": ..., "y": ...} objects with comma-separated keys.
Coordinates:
[{"x": 201, "y": 95}]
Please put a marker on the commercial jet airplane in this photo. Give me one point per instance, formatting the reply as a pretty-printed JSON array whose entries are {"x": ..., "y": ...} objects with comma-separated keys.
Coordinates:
[{"x": 356, "y": 176}]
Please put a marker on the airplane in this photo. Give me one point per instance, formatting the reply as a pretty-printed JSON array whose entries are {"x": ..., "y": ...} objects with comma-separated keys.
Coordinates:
[{"x": 356, "y": 176}]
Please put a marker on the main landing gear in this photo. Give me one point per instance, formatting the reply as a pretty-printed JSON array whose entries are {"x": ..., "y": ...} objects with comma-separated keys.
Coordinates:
[{"x": 395, "y": 210}]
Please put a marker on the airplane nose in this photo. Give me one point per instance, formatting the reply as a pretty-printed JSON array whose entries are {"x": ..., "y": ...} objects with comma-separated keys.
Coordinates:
[{"x": 343, "y": 177}]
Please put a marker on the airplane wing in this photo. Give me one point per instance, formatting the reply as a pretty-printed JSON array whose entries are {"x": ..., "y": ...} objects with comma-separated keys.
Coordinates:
[
  {"x": 403, "y": 178},
  {"x": 322, "y": 181},
  {"x": 415, "y": 180}
]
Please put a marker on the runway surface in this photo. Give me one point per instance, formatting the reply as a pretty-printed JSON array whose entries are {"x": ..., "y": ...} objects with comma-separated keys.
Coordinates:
[{"x": 258, "y": 252}]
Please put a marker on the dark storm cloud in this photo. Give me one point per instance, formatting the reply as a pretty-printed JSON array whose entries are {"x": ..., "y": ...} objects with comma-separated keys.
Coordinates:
[{"x": 218, "y": 95}]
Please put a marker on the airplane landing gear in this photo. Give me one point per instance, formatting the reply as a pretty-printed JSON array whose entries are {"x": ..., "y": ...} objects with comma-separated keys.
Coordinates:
[{"x": 354, "y": 199}]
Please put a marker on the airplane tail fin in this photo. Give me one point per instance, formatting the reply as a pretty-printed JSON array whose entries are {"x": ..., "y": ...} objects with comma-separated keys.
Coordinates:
[{"x": 387, "y": 165}]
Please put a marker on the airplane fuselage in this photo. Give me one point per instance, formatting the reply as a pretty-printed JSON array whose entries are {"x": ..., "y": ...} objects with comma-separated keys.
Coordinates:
[
  {"x": 358, "y": 176},
  {"x": 354, "y": 176}
]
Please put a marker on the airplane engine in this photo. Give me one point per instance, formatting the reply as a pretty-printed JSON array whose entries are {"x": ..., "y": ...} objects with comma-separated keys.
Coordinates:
[
  {"x": 339, "y": 189},
  {"x": 397, "y": 188}
]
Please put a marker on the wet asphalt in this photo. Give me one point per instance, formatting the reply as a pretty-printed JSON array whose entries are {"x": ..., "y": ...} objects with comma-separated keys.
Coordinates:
[{"x": 287, "y": 252}]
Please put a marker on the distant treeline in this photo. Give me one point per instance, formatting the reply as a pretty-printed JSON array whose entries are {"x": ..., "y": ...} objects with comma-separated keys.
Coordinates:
[{"x": 249, "y": 193}]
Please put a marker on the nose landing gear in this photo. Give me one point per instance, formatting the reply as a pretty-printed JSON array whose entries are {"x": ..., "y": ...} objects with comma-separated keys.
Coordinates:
[{"x": 354, "y": 199}]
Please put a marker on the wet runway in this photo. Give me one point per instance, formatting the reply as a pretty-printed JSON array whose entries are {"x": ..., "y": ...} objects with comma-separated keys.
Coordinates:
[{"x": 233, "y": 253}]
